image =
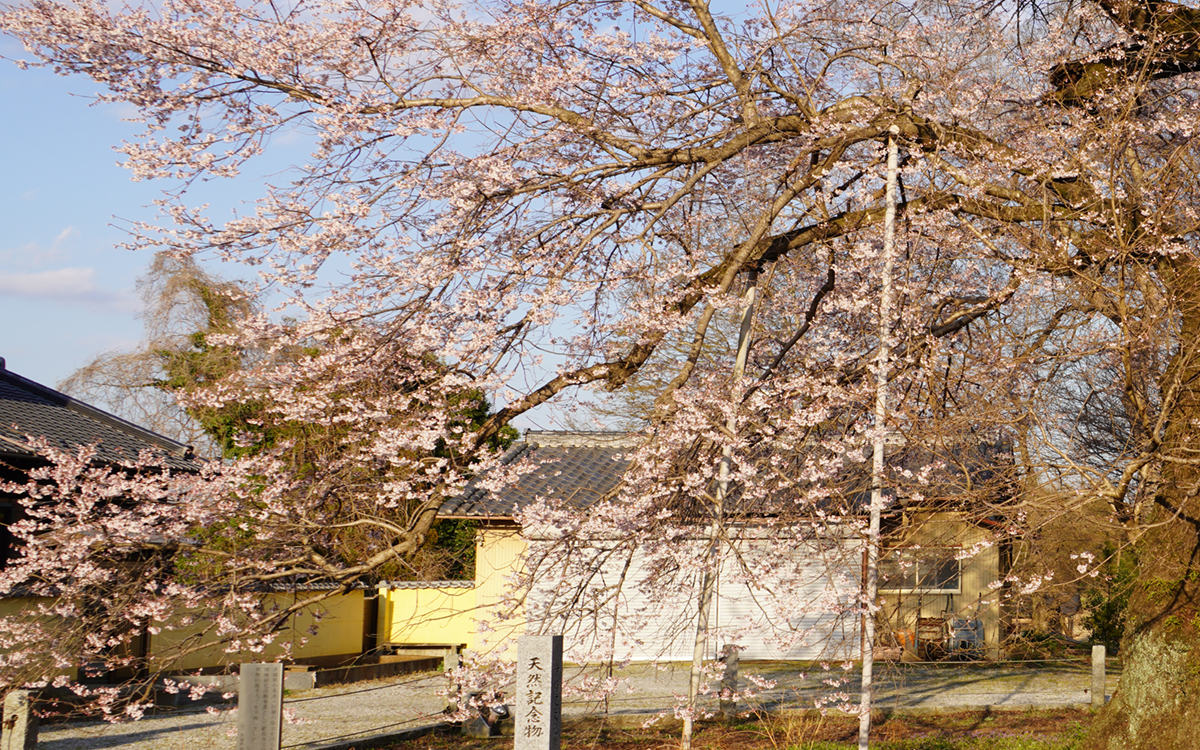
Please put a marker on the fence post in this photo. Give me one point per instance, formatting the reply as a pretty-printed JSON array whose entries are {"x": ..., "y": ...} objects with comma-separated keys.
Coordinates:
[
  {"x": 20, "y": 722},
  {"x": 449, "y": 664},
  {"x": 1098, "y": 696}
]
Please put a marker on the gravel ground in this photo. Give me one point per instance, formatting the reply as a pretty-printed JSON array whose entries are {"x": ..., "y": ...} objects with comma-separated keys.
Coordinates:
[
  {"x": 315, "y": 716},
  {"x": 378, "y": 707}
]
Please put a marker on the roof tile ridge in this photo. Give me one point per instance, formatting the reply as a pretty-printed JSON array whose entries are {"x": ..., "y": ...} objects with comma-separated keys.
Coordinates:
[{"x": 583, "y": 438}]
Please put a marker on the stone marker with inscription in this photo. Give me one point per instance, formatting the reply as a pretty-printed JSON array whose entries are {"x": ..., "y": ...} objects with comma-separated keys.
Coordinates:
[
  {"x": 260, "y": 707},
  {"x": 20, "y": 722},
  {"x": 539, "y": 692}
]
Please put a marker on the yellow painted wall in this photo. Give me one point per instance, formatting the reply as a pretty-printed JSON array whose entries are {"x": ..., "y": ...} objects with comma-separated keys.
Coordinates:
[
  {"x": 471, "y": 616},
  {"x": 23, "y": 608},
  {"x": 15, "y": 606},
  {"x": 338, "y": 631},
  {"x": 499, "y": 553},
  {"x": 427, "y": 616}
]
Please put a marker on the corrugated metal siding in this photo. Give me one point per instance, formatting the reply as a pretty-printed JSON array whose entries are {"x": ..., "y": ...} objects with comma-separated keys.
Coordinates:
[
  {"x": 601, "y": 599},
  {"x": 608, "y": 601},
  {"x": 787, "y": 602},
  {"x": 658, "y": 621}
]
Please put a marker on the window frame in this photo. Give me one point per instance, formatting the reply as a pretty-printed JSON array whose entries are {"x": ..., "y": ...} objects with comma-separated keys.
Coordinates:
[{"x": 894, "y": 555}]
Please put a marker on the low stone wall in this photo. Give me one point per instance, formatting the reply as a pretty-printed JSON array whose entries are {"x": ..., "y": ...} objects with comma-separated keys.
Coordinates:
[{"x": 300, "y": 678}]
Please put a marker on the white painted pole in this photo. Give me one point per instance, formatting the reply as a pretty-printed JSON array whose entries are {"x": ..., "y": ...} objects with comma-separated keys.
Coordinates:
[{"x": 871, "y": 594}]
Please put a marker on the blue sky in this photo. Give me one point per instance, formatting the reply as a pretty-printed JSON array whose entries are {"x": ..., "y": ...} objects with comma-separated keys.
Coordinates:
[{"x": 66, "y": 293}]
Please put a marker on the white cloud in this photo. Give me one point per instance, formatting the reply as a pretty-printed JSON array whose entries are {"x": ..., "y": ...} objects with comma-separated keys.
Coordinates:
[
  {"x": 34, "y": 254},
  {"x": 71, "y": 285},
  {"x": 63, "y": 282},
  {"x": 67, "y": 233},
  {"x": 27, "y": 255}
]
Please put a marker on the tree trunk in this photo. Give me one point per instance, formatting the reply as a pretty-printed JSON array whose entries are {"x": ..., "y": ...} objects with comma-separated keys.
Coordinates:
[{"x": 1158, "y": 702}]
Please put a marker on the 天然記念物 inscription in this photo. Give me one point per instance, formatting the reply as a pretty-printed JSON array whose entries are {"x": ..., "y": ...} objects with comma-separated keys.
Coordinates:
[{"x": 539, "y": 692}]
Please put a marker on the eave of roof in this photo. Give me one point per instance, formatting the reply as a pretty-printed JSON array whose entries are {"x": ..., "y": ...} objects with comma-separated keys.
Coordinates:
[{"x": 580, "y": 468}]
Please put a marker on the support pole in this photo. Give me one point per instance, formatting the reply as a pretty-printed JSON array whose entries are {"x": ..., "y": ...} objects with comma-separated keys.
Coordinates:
[
  {"x": 713, "y": 549},
  {"x": 871, "y": 592}
]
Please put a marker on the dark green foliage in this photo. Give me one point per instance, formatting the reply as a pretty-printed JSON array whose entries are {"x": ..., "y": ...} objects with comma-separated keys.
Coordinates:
[
  {"x": 455, "y": 544},
  {"x": 1106, "y": 602}
]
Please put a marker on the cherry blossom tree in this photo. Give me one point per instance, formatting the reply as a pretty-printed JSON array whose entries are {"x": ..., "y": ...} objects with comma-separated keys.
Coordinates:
[
  {"x": 185, "y": 306},
  {"x": 537, "y": 199},
  {"x": 103, "y": 566}
]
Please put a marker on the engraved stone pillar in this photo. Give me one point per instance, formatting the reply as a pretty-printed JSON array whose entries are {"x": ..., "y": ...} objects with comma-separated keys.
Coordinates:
[
  {"x": 539, "y": 692},
  {"x": 260, "y": 707},
  {"x": 20, "y": 723},
  {"x": 1098, "y": 655}
]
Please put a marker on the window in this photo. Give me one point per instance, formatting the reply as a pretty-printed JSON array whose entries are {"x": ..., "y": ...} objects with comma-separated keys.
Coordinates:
[{"x": 924, "y": 570}]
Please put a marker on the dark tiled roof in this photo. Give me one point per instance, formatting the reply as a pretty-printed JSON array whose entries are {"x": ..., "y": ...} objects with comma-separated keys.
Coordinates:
[
  {"x": 578, "y": 468},
  {"x": 32, "y": 409},
  {"x": 426, "y": 585}
]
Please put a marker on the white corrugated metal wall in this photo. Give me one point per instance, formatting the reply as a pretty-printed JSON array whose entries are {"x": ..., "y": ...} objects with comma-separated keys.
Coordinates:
[
  {"x": 775, "y": 600},
  {"x": 790, "y": 602}
]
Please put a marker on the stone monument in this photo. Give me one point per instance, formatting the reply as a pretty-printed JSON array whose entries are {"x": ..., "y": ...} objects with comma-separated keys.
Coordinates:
[
  {"x": 1098, "y": 686},
  {"x": 20, "y": 722},
  {"x": 260, "y": 707},
  {"x": 539, "y": 692}
]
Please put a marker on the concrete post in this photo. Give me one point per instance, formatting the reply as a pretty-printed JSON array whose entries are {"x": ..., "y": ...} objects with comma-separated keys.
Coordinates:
[
  {"x": 449, "y": 664},
  {"x": 20, "y": 722},
  {"x": 1098, "y": 689}
]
